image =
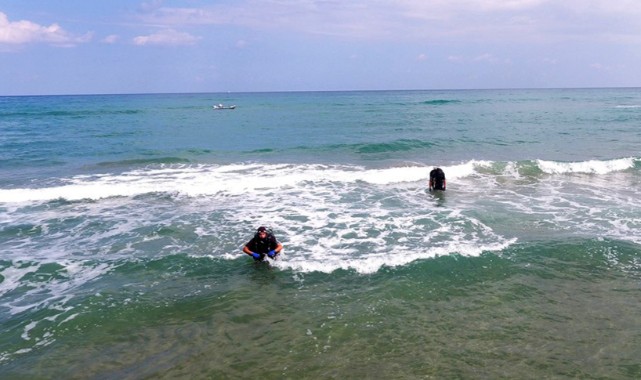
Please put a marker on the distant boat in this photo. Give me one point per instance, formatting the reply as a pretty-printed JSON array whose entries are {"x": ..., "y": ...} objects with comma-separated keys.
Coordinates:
[{"x": 223, "y": 107}]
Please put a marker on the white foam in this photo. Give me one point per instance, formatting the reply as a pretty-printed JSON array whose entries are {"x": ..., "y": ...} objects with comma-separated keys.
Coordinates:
[
  {"x": 12, "y": 276},
  {"x": 230, "y": 179},
  {"x": 330, "y": 217},
  {"x": 52, "y": 292},
  {"x": 373, "y": 262},
  {"x": 590, "y": 167}
]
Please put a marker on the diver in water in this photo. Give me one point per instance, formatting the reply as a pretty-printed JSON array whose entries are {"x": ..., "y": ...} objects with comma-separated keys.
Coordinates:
[
  {"x": 437, "y": 180},
  {"x": 263, "y": 243}
]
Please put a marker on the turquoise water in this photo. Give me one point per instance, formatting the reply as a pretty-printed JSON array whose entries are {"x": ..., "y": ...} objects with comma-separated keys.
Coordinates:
[{"x": 122, "y": 219}]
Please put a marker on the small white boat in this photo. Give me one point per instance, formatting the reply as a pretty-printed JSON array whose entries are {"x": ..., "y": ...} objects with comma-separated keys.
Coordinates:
[{"x": 223, "y": 107}]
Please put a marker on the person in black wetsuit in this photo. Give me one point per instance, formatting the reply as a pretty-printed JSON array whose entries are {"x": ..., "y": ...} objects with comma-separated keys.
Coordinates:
[
  {"x": 263, "y": 243},
  {"x": 437, "y": 179}
]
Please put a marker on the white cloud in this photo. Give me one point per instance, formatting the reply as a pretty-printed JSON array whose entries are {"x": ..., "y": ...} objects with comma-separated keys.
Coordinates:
[
  {"x": 150, "y": 6},
  {"x": 111, "y": 39},
  {"x": 479, "y": 20},
  {"x": 505, "y": 4},
  {"x": 24, "y": 32},
  {"x": 166, "y": 37},
  {"x": 485, "y": 57}
]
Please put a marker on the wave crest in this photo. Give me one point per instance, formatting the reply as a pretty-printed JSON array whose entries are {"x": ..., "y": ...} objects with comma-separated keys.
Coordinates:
[
  {"x": 252, "y": 178},
  {"x": 589, "y": 167}
]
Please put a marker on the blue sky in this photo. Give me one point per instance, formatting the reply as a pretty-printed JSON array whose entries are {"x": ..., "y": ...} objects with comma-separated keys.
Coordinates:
[{"x": 117, "y": 46}]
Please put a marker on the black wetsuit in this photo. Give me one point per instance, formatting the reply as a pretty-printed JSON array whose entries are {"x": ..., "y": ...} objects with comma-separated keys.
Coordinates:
[
  {"x": 262, "y": 246},
  {"x": 437, "y": 179}
]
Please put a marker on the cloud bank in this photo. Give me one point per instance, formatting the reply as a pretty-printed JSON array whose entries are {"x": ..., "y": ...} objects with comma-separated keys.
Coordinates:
[
  {"x": 528, "y": 20},
  {"x": 23, "y": 32}
]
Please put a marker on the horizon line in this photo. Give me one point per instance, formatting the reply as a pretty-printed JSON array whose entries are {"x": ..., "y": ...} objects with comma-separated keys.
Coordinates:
[{"x": 321, "y": 91}]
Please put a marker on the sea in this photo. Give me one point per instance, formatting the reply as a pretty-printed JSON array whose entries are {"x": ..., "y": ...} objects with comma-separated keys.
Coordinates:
[{"x": 122, "y": 219}]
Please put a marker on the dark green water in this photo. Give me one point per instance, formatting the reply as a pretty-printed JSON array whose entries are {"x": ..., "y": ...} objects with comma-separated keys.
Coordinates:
[{"x": 557, "y": 310}]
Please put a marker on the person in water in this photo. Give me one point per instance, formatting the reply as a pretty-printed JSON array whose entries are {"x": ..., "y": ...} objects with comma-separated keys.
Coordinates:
[
  {"x": 437, "y": 179},
  {"x": 263, "y": 243}
]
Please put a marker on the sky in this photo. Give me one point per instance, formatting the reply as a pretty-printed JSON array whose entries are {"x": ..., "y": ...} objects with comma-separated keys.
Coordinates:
[{"x": 177, "y": 46}]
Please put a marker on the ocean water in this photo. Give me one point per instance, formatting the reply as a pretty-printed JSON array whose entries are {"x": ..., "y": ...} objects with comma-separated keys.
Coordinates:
[{"x": 122, "y": 219}]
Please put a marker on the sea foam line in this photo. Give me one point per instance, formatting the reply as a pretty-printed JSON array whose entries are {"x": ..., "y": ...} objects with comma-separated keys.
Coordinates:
[
  {"x": 238, "y": 179},
  {"x": 589, "y": 167}
]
